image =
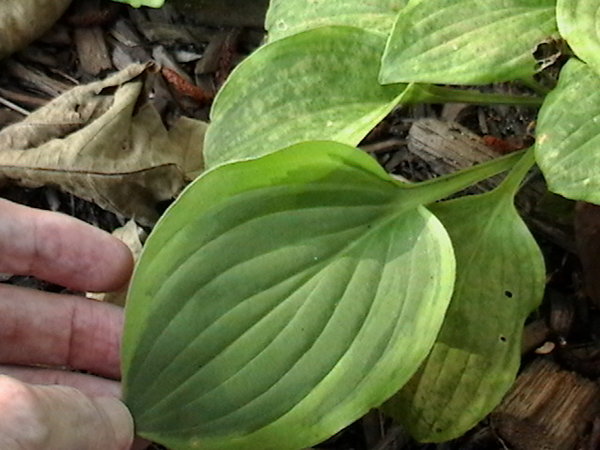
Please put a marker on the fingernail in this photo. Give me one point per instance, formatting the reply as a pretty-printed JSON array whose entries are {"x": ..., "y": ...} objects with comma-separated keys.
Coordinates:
[{"x": 120, "y": 420}]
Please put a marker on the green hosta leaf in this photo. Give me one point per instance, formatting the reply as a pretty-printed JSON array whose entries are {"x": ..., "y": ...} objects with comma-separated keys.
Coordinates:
[
  {"x": 320, "y": 84},
  {"x": 466, "y": 41},
  {"x": 500, "y": 280},
  {"x": 286, "y": 17},
  {"x": 579, "y": 24},
  {"x": 281, "y": 298},
  {"x": 568, "y": 130}
]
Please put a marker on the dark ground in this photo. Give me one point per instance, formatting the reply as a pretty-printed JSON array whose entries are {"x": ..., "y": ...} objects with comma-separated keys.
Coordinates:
[{"x": 565, "y": 327}]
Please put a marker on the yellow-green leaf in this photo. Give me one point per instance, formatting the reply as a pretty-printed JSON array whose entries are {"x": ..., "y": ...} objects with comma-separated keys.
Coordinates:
[
  {"x": 319, "y": 84},
  {"x": 281, "y": 298}
]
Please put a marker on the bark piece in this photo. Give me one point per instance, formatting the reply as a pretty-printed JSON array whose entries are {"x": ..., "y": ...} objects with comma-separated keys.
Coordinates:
[
  {"x": 92, "y": 50},
  {"x": 36, "y": 79},
  {"x": 209, "y": 62},
  {"x": 160, "y": 26},
  {"x": 548, "y": 408},
  {"x": 447, "y": 146}
]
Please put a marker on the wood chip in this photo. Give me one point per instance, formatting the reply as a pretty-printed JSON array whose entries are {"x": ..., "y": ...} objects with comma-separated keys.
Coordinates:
[
  {"x": 548, "y": 408},
  {"x": 92, "y": 50},
  {"x": 448, "y": 145},
  {"x": 210, "y": 59},
  {"x": 124, "y": 32},
  {"x": 165, "y": 31},
  {"x": 36, "y": 79},
  {"x": 123, "y": 56}
]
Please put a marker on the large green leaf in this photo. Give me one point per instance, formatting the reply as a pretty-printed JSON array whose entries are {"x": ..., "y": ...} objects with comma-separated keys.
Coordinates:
[
  {"x": 499, "y": 281},
  {"x": 568, "y": 134},
  {"x": 579, "y": 24},
  {"x": 281, "y": 298},
  {"x": 319, "y": 84},
  {"x": 466, "y": 41},
  {"x": 287, "y": 17}
]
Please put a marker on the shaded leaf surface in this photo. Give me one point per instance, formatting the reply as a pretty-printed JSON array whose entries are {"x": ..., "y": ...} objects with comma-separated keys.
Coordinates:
[
  {"x": 280, "y": 299},
  {"x": 579, "y": 24},
  {"x": 285, "y": 17},
  {"x": 21, "y": 21},
  {"x": 466, "y": 41},
  {"x": 319, "y": 84},
  {"x": 91, "y": 143},
  {"x": 500, "y": 280},
  {"x": 568, "y": 130}
]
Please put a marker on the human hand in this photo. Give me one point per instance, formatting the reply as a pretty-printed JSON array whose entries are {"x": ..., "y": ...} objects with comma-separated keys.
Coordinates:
[{"x": 60, "y": 331}]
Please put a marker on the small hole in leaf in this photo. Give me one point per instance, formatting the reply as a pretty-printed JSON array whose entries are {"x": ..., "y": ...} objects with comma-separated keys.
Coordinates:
[
  {"x": 503, "y": 338},
  {"x": 508, "y": 294}
]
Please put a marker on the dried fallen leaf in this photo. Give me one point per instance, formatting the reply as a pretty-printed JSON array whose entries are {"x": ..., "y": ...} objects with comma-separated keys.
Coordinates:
[
  {"x": 133, "y": 236},
  {"x": 21, "y": 21},
  {"x": 91, "y": 142}
]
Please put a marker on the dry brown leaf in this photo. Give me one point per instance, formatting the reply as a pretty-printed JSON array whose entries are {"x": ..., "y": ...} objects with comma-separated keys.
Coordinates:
[
  {"x": 133, "y": 236},
  {"x": 89, "y": 142},
  {"x": 22, "y": 21}
]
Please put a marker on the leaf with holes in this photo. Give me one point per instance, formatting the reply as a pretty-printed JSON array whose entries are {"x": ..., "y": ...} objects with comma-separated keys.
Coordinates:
[
  {"x": 500, "y": 280},
  {"x": 579, "y": 24},
  {"x": 466, "y": 41},
  {"x": 279, "y": 299},
  {"x": 319, "y": 84},
  {"x": 568, "y": 130},
  {"x": 285, "y": 17}
]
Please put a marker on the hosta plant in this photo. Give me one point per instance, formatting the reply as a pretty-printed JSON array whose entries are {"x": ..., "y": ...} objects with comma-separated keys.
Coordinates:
[{"x": 295, "y": 285}]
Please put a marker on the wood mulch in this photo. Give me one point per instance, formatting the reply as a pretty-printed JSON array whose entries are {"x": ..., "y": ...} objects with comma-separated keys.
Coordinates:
[{"x": 195, "y": 44}]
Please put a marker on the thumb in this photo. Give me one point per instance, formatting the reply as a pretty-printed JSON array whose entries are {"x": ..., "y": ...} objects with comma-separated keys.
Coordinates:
[{"x": 60, "y": 418}]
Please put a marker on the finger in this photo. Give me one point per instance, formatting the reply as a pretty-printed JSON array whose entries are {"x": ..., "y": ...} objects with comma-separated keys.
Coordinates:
[
  {"x": 61, "y": 249},
  {"x": 60, "y": 418},
  {"x": 59, "y": 330},
  {"x": 88, "y": 384}
]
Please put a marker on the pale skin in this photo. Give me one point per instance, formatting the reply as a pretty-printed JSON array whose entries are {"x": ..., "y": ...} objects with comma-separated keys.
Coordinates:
[{"x": 43, "y": 404}]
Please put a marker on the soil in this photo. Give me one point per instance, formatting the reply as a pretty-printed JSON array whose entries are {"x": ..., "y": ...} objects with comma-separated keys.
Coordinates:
[{"x": 199, "y": 43}]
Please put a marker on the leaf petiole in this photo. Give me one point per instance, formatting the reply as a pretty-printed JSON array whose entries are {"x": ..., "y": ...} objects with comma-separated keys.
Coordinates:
[
  {"x": 513, "y": 181},
  {"x": 444, "y": 186}
]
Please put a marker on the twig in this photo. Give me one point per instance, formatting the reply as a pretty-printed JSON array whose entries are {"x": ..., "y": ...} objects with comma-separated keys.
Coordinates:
[
  {"x": 383, "y": 146},
  {"x": 14, "y": 107}
]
